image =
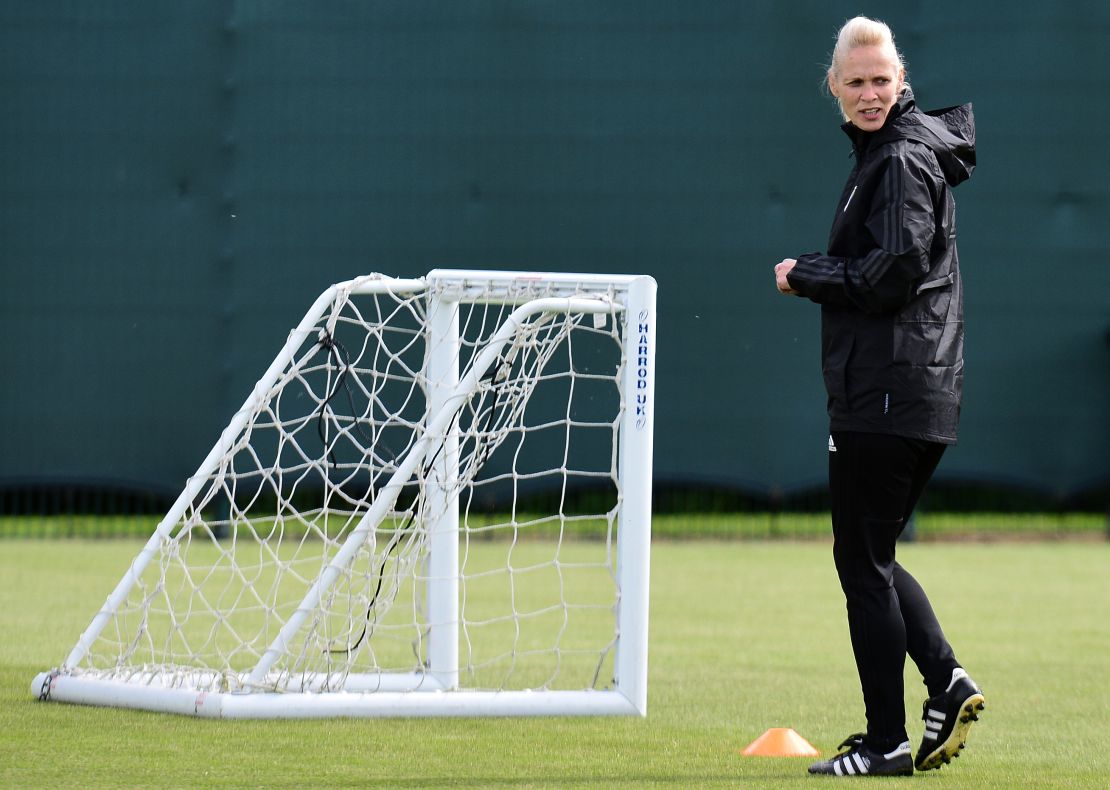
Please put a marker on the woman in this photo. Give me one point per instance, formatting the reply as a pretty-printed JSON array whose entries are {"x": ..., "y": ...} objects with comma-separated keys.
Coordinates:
[{"x": 892, "y": 355}]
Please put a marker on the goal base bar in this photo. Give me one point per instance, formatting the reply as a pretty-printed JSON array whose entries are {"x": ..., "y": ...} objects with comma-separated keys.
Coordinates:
[{"x": 299, "y": 705}]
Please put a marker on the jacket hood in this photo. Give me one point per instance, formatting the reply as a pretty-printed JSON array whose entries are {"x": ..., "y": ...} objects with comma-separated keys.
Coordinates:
[{"x": 949, "y": 133}]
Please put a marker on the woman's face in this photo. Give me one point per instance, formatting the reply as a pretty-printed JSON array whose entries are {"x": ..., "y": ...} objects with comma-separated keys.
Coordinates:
[{"x": 867, "y": 85}]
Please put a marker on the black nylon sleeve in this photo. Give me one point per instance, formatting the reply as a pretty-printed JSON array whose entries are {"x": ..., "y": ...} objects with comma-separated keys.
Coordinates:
[{"x": 900, "y": 225}]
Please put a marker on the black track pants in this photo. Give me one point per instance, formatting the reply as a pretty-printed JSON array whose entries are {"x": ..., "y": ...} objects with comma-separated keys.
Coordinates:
[{"x": 874, "y": 483}]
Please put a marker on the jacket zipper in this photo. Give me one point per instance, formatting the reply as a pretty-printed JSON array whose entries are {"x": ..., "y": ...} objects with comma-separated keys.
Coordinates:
[{"x": 849, "y": 200}]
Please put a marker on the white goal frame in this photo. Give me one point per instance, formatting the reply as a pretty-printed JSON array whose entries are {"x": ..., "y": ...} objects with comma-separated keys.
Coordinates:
[{"x": 436, "y": 691}]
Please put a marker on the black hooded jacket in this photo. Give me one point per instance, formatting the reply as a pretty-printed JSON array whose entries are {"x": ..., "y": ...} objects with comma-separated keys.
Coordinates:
[{"x": 889, "y": 286}]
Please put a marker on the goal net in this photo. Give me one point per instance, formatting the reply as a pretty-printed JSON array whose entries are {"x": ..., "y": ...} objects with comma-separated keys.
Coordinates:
[{"x": 436, "y": 501}]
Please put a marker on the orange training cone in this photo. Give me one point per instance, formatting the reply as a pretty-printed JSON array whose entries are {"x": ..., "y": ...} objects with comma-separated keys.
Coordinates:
[{"x": 780, "y": 742}]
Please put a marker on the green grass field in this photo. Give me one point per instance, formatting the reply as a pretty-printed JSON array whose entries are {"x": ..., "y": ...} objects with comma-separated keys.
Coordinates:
[{"x": 744, "y": 636}]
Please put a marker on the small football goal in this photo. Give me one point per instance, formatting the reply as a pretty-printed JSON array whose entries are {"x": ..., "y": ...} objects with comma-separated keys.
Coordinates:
[{"x": 436, "y": 501}]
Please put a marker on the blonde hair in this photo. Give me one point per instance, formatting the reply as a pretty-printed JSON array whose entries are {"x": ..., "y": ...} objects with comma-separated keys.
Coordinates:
[{"x": 862, "y": 31}]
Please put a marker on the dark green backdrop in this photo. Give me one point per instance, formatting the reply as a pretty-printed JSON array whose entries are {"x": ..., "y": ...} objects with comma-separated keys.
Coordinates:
[{"x": 180, "y": 180}]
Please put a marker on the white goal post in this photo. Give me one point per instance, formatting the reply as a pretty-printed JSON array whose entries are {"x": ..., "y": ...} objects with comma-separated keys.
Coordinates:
[{"x": 435, "y": 502}]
